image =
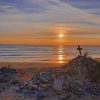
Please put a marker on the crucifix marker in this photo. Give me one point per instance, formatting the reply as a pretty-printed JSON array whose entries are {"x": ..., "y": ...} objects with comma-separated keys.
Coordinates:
[{"x": 80, "y": 50}]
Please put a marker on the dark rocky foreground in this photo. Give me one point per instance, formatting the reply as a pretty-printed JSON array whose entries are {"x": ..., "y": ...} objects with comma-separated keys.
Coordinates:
[
  {"x": 77, "y": 80},
  {"x": 8, "y": 78}
]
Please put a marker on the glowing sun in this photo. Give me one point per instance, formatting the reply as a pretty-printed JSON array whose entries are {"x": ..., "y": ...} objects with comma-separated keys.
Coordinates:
[{"x": 61, "y": 35}]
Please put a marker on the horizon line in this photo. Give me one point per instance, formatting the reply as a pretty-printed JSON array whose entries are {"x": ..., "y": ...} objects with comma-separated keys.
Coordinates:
[{"x": 52, "y": 45}]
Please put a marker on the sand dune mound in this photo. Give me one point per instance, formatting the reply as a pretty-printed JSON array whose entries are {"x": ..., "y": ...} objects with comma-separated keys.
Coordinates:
[
  {"x": 84, "y": 66},
  {"x": 82, "y": 78}
]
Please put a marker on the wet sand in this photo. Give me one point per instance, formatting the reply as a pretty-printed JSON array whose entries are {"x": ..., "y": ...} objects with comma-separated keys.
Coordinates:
[
  {"x": 29, "y": 65},
  {"x": 97, "y": 59},
  {"x": 33, "y": 64}
]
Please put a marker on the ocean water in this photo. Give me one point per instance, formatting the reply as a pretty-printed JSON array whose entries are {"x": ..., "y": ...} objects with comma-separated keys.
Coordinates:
[{"x": 44, "y": 54}]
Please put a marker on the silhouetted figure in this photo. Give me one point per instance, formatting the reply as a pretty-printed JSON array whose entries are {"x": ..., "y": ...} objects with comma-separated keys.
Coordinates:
[{"x": 79, "y": 49}]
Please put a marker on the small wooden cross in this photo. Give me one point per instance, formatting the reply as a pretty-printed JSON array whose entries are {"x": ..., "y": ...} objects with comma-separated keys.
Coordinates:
[{"x": 79, "y": 49}]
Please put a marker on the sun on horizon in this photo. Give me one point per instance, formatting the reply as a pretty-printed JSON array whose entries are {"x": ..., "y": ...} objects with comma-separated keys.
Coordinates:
[{"x": 61, "y": 35}]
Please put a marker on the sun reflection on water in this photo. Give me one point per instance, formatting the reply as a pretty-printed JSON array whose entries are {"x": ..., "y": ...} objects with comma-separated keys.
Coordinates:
[{"x": 60, "y": 54}]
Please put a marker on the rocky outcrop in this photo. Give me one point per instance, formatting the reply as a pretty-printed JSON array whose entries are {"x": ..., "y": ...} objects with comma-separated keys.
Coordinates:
[
  {"x": 84, "y": 66},
  {"x": 8, "y": 78},
  {"x": 82, "y": 78}
]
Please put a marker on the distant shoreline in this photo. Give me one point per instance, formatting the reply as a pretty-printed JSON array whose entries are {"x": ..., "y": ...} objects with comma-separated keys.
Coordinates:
[
  {"x": 49, "y": 45},
  {"x": 33, "y": 64},
  {"x": 29, "y": 65},
  {"x": 97, "y": 59}
]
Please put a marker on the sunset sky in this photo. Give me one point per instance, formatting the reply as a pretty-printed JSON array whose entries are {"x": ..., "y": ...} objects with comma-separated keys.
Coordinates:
[{"x": 50, "y": 22}]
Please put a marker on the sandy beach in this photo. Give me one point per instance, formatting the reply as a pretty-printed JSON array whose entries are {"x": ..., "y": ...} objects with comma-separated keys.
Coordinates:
[
  {"x": 97, "y": 59},
  {"x": 29, "y": 65},
  {"x": 34, "y": 65}
]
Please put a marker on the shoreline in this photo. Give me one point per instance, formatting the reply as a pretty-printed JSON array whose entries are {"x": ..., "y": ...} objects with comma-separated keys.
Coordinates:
[
  {"x": 97, "y": 59},
  {"x": 23, "y": 65},
  {"x": 30, "y": 65}
]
